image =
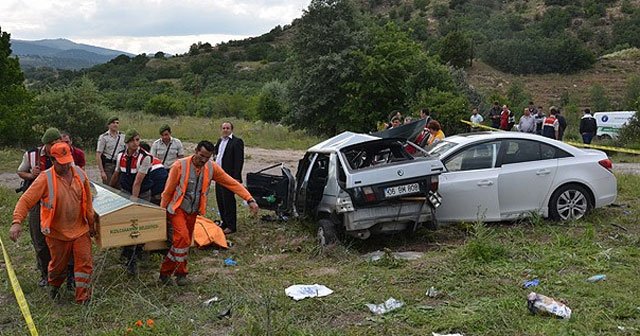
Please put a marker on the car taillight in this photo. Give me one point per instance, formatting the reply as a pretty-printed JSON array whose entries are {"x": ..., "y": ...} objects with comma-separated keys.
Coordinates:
[
  {"x": 435, "y": 180},
  {"x": 607, "y": 164},
  {"x": 369, "y": 195}
]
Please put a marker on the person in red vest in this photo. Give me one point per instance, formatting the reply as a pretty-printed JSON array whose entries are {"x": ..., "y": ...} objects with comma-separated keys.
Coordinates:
[
  {"x": 551, "y": 125},
  {"x": 35, "y": 161},
  {"x": 141, "y": 175},
  {"x": 185, "y": 197},
  {"x": 67, "y": 220}
]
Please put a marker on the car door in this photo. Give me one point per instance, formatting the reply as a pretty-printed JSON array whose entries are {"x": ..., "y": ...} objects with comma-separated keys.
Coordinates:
[
  {"x": 525, "y": 178},
  {"x": 469, "y": 187},
  {"x": 302, "y": 179},
  {"x": 273, "y": 191}
]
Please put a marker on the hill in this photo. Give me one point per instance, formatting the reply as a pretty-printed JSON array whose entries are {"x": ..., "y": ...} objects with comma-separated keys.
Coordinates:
[{"x": 61, "y": 54}]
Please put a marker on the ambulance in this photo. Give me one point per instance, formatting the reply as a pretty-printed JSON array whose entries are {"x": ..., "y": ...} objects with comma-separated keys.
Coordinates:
[{"x": 609, "y": 123}]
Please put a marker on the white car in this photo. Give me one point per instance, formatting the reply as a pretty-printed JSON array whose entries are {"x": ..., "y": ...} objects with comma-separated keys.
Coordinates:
[{"x": 499, "y": 176}]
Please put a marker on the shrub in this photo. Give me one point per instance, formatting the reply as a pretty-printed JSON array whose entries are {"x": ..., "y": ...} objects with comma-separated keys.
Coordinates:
[
  {"x": 163, "y": 105},
  {"x": 632, "y": 94},
  {"x": 272, "y": 102},
  {"x": 598, "y": 98}
]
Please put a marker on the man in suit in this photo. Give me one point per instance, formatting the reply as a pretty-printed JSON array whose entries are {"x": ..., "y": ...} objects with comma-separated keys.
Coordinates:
[{"x": 229, "y": 152}]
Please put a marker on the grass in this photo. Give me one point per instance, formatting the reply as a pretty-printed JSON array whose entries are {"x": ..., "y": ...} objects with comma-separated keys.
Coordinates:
[
  {"x": 478, "y": 269},
  {"x": 194, "y": 129}
]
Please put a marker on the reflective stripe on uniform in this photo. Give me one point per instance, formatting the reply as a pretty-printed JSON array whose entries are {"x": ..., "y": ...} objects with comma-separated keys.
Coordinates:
[
  {"x": 181, "y": 187},
  {"x": 176, "y": 258},
  {"x": 179, "y": 250},
  {"x": 82, "y": 284},
  {"x": 81, "y": 275},
  {"x": 80, "y": 174},
  {"x": 49, "y": 205}
]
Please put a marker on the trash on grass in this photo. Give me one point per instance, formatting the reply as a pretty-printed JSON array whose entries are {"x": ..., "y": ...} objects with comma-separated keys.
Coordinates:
[
  {"x": 436, "y": 334},
  {"x": 225, "y": 313},
  {"x": 597, "y": 277},
  {"x": 207, "y": 303},
  {"x": 385, "y": 307},
  {"x": 299, "y": 292},
  {"x": 432, "y": 292},
  {"x": 538, "y": 303},
  {"x": 230, "y": 262},
  {"x": 408, "y": 255},
  {"x": 531, "y": 283}
]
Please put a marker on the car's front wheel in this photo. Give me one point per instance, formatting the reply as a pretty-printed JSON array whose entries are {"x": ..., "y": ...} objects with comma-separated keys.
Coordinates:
[
  {"x": 327, "y": 233},
  {"x": 569, "y": 202}
]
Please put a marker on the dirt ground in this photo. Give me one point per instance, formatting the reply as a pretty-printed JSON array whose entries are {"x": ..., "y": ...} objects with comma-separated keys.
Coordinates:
[{"x": 255, "y": 159}]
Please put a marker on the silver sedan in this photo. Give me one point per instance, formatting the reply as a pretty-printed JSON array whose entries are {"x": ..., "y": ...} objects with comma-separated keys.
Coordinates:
[{"x": 497, "y": 176}]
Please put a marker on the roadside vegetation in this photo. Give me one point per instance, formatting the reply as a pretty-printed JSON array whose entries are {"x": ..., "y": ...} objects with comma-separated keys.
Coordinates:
[{"x": 477, "y": 269}]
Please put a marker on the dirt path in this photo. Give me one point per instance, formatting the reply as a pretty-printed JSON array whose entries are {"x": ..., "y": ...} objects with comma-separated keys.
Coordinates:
[{"x": 256, "y": 159}]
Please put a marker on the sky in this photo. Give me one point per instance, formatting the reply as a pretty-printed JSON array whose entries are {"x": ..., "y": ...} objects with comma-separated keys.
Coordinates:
[{"x": 146, "y": 26}]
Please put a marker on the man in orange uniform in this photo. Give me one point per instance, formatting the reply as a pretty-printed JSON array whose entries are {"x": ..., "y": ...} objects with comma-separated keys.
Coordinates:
[
  {"x": 185, "y": 197},
  {"x": 66, "y": 216}
]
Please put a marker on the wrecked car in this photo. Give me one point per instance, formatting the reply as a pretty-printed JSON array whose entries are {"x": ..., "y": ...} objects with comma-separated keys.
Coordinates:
[{"x": 358, "y": 184}]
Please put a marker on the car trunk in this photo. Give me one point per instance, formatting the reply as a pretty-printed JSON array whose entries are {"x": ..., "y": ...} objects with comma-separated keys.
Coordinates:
[{"x": 382, "y": 170}]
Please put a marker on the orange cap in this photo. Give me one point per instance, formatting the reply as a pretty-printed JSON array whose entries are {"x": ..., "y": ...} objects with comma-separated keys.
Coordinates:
[{"x": 62, "y": 153}]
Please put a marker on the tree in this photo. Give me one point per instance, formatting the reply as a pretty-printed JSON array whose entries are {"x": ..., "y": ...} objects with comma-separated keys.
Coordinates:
[
  {"x": 389, "y": 74},
  {"x": 456, "y": 48},
  {"x": 76, "y": 108},
  {"x": 15, "y": 100},
  {"x": 326, "y": 34},
  {"x": 272, "y": 102}
]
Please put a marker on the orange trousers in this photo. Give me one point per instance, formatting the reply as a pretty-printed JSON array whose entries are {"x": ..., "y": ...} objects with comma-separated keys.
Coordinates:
[
  {"x": 175, "y": 262},
  {"x": 61, "y": 251}
]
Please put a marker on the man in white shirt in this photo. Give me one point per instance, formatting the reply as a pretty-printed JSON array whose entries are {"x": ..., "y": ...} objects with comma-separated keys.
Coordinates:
[
  {"x": 168, "y": 149},
  {"x": 229, "y": 152},
  {"x": 476, "y": 119}
]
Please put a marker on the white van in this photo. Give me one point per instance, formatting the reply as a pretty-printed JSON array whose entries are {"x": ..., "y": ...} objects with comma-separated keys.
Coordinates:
[{"x": 609, "y": 123}]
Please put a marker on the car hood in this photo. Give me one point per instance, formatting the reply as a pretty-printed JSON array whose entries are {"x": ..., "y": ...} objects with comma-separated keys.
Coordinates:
[{"x": 342, "y": 140}]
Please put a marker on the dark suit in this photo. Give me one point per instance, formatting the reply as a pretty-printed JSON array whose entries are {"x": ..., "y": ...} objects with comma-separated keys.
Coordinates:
[{"x": 232, "y": 162}]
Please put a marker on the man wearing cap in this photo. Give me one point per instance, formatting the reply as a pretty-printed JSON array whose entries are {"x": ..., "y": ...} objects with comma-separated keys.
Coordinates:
[
  {"x": 110, "y": 143},
  {"x": 35, "y": 161},
  {"x": 185, "y": 197},
  {"x": 141, "y": 175},
  {"x": 77, "y": 153},
  {"x": 67, "y": 220},
  {"x": 167, "y": 148}
]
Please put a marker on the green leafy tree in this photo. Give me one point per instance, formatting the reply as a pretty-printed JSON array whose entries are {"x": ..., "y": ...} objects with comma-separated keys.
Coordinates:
[
  {"x": 164, "y": 105},
  {"x": 447, "y": 107},
  {"x": 517, "y": 98},
  {"x": 456, "y": 48},
  {"x": 327, "y": 33},
  {"x": 15, "y": 100},
  {"x": 76, "y": 108},
  {"x": 272, "y": 102},
  {"x": 390, "y": 72}
]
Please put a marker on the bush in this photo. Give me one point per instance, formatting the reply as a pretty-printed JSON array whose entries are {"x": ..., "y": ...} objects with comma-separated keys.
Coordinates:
[
  {"x": 77, "y": 109},
  {"x": 632, "y": 94},
  {"x": 562, "y": 54},
  {"x": 447, "y": 108},
  {"x": 599, "y": 100},
  {"x": 164, "y": 105},
  {"x": 272, "y": 102}
]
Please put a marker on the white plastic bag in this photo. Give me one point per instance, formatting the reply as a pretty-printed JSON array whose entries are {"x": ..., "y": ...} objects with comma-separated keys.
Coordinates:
[
  {"x": 387, "y": 306},
  {"x": 299, "y": 292}
]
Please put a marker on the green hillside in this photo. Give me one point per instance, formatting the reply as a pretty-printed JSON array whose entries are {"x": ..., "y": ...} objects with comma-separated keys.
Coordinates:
[{"x": 339, "y": 61}]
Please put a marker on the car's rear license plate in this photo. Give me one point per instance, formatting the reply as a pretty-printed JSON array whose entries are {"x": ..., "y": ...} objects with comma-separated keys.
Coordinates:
[{"x": 401, "y": 190}]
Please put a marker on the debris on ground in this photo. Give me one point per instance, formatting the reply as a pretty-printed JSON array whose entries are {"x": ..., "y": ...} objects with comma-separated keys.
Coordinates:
[
  {"x": 225, "y": 313},
  {"x": 432, "y": 292},
  {"x": 385, "y": 307},
  {"x": 230, "y": 262},
  {"x": 377, "y": 255},
  {"x": 597, "y": 277},
  {"x": 436, "y": 334},
  {"x": 619, "y": 227},
  {"x": 207, "y": 303},
  {"x": 299, "y": 292},
  {"x": 538, "y": 303},
  {"x": 531, "y": 283}
]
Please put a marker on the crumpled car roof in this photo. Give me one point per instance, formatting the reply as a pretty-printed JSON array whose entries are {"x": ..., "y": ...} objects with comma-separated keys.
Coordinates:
[{"x": 342, "y": 140}]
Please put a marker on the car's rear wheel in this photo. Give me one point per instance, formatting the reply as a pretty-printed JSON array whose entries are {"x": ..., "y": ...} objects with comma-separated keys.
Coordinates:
[
  {"x": 327, "y": 233},
  {"x": 570, "y": 202}
]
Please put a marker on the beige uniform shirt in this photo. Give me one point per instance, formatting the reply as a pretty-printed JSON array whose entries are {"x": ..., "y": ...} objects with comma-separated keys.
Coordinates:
[{"x": 110, "y": 145}]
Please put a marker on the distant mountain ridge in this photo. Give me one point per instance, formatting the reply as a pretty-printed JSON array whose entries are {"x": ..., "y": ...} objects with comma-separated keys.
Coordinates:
[{"x": 61, "y": 54}]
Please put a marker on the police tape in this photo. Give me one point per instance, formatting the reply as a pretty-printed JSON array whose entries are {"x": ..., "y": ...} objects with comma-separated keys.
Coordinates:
[
  {"x": 576, "y": 144},
  {"x": 17, "y": 291}
]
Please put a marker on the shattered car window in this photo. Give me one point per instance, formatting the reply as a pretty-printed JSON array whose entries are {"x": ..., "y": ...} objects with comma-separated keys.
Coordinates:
[{"x": 375, "y": 154}]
